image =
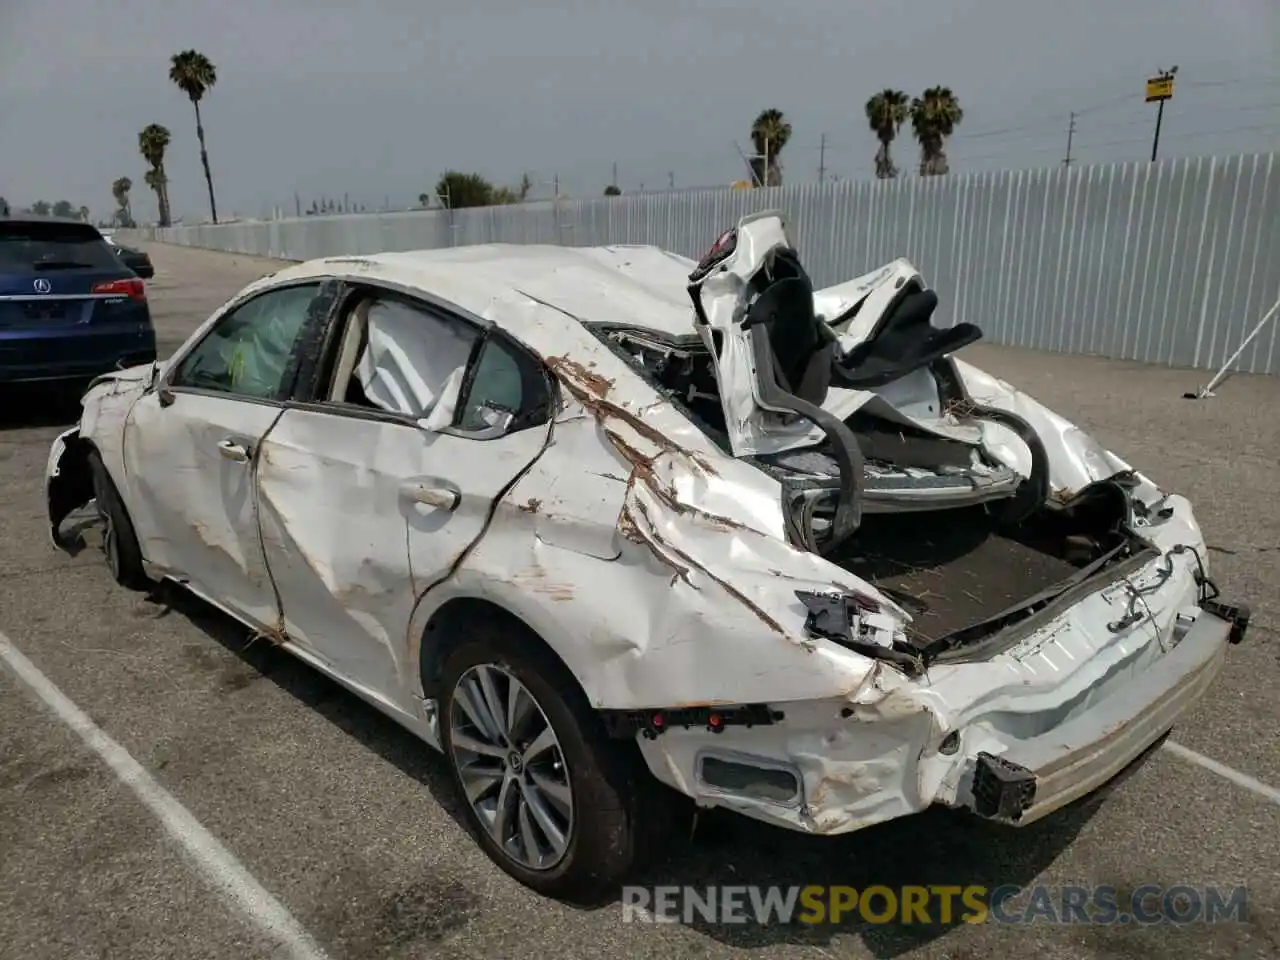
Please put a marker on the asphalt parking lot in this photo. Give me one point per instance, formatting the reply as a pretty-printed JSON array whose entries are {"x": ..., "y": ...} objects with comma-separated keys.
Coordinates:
[{"x": 349, "y": 823}]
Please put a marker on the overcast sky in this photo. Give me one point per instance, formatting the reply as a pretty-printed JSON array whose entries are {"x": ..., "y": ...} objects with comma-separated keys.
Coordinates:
[{"x": 375, "y": 98}]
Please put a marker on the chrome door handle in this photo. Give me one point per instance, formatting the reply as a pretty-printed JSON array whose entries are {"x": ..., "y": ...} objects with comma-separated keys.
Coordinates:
[
  {"x": 230, "y": 450},
  {"x": 432, "y": 496}
]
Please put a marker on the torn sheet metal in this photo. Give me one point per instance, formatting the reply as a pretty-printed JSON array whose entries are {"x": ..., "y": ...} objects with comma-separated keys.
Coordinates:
[{"x": 646, "y": 626}]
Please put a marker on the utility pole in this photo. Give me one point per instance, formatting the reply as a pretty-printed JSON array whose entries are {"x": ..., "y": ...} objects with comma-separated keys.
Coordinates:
[
  {"x": 751, "y": 170},
  {"x": 671, "y": 179},
  {"x": 614, "y": 181},
  {"x": 555, "y": 185},
  {"x": 1071, "y": 132},
  {"x": 1160, "y": 89},
  {"x": 822, "y": 159}
]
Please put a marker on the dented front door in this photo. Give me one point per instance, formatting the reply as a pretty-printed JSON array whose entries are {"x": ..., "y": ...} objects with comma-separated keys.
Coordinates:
[
  {"x": 190, "y": 468},
  {"x": 359, "y": 515},
  {"x": 190, "y": 446}
]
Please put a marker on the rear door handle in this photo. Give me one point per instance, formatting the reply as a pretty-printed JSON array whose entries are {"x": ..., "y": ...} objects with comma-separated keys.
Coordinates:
[
  {"x": 230, "y": 450},
  {"x": 440, "y": 497}
]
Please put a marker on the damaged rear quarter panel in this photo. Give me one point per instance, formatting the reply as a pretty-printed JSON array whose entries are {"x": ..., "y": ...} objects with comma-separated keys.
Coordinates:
[{"x": 698, "y": 605}]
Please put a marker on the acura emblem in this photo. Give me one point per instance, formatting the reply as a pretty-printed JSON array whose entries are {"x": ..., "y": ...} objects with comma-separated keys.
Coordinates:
[{"x": 43, "y": 285}]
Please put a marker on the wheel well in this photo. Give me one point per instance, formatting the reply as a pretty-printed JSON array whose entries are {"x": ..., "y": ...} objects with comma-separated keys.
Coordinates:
[{"x": 447, "y": 628}]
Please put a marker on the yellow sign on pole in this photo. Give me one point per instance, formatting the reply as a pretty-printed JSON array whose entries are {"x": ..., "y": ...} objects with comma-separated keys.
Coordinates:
[{"x": 1160, "y": 88}]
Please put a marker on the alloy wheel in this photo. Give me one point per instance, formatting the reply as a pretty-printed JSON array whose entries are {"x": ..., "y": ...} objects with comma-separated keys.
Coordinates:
[{"x": 511, "y": 766}]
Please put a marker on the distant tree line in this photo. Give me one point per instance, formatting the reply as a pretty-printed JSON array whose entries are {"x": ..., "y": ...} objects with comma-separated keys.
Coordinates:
[
  {"x": 324, "y": 205},
  {"x": 455, "y": 190},
  {"x": 43, "y": 208}
]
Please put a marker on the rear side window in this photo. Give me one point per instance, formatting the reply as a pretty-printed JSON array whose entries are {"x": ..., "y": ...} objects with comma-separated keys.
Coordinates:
[{"x": 28, "y": 246}]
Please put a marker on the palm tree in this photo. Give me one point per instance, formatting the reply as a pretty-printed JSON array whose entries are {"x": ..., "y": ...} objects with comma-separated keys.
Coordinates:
[
  {"x": 154, "y": 179},
  {"x": 152, "y": 143},
  {"x": 120, "y": 190},
  {"x": 195, "y": 75},
  {"x": 934, "y": 117},
  {"x": 887, "y": 111},
  {"x": 769, "y": 135}
]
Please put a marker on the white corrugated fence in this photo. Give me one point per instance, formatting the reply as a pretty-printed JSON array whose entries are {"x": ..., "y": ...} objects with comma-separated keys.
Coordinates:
[{"x": 1172, "y": 262}]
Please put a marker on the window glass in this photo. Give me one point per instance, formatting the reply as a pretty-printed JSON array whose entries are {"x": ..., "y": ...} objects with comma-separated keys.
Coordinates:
[
  {"x": 498, "y": 385},
  {"x": 247, "y": 351},
  {"x": 412, "y": 359}
]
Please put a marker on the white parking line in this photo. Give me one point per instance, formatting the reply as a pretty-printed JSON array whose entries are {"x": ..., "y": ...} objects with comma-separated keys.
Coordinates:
[
  {"x": 217, "y": 864},
  {"x": 1222, "y": 770}
]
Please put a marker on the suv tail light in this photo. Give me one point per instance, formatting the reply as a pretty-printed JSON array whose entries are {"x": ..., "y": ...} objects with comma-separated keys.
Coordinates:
[{"x": 133, "y": 288}]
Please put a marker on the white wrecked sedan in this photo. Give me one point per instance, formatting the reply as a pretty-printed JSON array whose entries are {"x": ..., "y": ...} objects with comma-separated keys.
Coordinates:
[{"x": 775, "y": 548}]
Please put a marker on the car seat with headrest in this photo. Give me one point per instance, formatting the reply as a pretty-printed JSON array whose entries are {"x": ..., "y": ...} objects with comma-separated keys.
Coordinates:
[
  {"x": 903, "y": 340},
  {"x": 785, "y": 328},
  {"x": 793, "y": 351}
]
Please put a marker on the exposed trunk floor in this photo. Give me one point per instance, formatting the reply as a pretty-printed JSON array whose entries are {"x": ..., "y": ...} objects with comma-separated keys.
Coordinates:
[{"x": 948, "y": 569}]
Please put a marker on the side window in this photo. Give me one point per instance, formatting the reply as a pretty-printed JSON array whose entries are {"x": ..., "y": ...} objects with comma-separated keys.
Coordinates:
[
  {"x": 401, "y": 358},
  {"x": 418, "y": 362},
  {"x": 505, "y": 380},
  {"x": 247, "y": 351}
]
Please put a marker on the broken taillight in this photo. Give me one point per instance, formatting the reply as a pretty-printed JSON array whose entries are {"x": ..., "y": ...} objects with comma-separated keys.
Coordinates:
[
  {"x": 133, "y": 288},
  {"x": 720, "y": 250}
]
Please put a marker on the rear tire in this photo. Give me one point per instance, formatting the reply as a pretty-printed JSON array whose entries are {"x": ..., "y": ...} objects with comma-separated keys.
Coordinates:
[
  {"x": 591, "y": 794},
  {"x": 119, "y": 541}
]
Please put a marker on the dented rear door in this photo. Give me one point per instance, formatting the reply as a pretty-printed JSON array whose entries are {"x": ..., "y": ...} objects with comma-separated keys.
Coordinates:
[
  {"x": 362, "y": 510},
  {"x": 359, "y": 516}
]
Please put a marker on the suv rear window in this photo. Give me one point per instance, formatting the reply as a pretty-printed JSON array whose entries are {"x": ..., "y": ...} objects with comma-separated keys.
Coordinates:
[{"x": 53, "y": 246}]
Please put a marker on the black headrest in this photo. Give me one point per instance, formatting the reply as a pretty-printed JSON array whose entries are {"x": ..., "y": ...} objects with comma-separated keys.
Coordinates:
[{"x": 784, "y": 303}]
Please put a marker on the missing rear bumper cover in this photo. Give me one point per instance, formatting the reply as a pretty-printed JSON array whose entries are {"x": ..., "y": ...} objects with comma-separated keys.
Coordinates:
[{"x": 625, "y": 724}]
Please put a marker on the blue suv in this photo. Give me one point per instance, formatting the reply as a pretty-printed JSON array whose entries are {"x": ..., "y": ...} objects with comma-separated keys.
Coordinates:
[{"x": 69, "y": 308}]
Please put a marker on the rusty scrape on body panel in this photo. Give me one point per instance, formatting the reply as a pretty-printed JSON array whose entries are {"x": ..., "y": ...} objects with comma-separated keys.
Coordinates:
[
  {"x": 590, "y": 389},
  {"x": 655, "y": 538},
  {"x": 585, "y": 387}
]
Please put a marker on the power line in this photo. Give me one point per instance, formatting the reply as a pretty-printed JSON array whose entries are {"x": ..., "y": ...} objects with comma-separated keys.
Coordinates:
[
  {"x": 1265, "y": 81},
  {"x": 961, "y": 139},
  {"x": 1132, "y": 140}
]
